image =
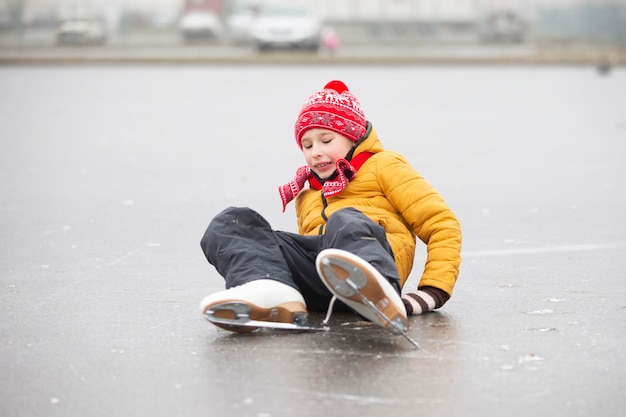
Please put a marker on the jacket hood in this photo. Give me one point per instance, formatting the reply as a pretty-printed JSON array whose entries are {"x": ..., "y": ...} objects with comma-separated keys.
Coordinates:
[{"x": 369, "y": 143}]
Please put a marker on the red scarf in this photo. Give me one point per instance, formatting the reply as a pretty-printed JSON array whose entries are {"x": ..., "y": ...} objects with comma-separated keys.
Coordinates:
[{"x": 346, "y": 171}]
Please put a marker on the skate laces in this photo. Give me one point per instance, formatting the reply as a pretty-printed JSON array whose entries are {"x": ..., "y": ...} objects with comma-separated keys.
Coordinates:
[{"x": 329, "y": 312}]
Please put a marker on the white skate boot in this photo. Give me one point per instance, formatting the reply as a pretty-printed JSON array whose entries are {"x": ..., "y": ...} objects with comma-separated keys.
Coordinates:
[
  {"x": 360, "y": 286},
  {"x": 260, "y": 303}
]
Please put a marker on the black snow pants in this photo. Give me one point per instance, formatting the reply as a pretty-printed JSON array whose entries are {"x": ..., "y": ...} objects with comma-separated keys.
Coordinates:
[{"x": 242, "y": 246}]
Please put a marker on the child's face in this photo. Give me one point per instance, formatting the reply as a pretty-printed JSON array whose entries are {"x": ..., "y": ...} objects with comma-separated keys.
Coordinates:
[{"x": 322, "y": 148}]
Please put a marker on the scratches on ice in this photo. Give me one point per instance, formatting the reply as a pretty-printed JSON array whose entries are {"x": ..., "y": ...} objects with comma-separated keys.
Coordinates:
[
  {"x": 541, "y": 250},
  {"x": 360, "y": 399},
  {"x": 133, "y": 252}
]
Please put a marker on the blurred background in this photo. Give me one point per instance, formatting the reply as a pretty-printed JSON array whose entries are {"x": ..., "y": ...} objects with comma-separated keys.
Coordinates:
[
  {"x": 109, "y": 175},
  {"x": 322, "y": 27}
]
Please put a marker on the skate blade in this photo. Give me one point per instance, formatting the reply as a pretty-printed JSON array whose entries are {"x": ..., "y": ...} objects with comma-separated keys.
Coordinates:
[
  {"x": 396, "y": 327},
  {"x": 351, "y": 286},
  {"x": 242, "y": 319}
]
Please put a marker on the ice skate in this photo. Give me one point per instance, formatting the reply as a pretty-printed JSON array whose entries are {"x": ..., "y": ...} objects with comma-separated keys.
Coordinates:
[
  {"x": 261, "y": 303},
  {"x": 360, "y": 286}
]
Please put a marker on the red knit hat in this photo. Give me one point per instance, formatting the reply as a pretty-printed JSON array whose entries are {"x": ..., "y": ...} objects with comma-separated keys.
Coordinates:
[{"x": 333, "y": 108}]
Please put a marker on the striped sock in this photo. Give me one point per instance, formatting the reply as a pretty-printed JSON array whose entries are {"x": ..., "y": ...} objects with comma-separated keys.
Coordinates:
[{"x": 423, "y": 300}]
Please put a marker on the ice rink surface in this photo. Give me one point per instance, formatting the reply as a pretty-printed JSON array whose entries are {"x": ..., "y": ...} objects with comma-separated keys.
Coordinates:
[{"x": 110, "y": 174}]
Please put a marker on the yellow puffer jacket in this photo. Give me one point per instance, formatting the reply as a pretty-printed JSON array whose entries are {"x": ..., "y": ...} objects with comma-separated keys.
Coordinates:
[{"x": 391, "y": 193}]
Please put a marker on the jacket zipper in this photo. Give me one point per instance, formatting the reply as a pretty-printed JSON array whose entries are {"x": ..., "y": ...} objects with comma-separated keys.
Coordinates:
[{"x": 325, "y": 204}]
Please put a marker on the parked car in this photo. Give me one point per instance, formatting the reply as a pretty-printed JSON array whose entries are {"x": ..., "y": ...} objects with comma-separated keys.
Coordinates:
[
  {"x": 502, "y": 27},
  {"x": 81, "y": 31},
  {"x": 285, "y": 26},
  {"x": 239, "y": 24},
  {"x": 200, "y": 25}
]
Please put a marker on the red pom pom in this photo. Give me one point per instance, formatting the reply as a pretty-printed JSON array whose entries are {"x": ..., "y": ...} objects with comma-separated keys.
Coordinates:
[{"x": 336, "y": 85}]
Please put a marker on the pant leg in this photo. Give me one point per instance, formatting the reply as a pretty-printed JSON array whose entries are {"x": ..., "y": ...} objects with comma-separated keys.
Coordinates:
[
  {"x": 300, "y": 252},
  {"x": 351, "y": 230},
  {"x": 242, "y": 246}
]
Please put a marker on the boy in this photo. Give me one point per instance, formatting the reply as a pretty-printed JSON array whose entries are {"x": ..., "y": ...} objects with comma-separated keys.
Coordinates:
[{"x": 357, "y": 223}]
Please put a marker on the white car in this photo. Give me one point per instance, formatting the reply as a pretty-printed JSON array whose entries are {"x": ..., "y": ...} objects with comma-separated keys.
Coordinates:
[
  {"x": 285, "y": 26},
  {"x": 200, "y": 25},
  {"x": 502, "y": 27},
  {"x": 239, "y": 24},
  {"x": 81, "y": 31}
]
